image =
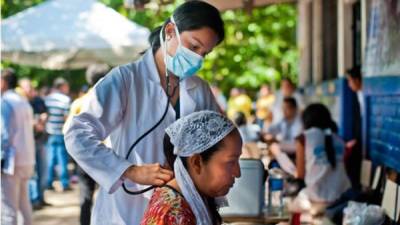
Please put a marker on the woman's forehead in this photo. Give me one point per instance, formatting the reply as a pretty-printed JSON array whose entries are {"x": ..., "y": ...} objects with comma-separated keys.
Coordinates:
[
  {"x": 232, "y": 144},
  {"x": 205, "y": 35}
]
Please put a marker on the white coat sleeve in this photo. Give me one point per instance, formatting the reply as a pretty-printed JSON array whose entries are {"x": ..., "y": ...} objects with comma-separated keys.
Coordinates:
[
  {"x": 209, "y": 98},
  {"x": 102, "y": 111}
]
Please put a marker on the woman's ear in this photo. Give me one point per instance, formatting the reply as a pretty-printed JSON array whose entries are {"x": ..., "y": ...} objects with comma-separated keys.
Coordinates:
[
  {"x": 195, "y": 163},
  {"x": 169, "y": 31}
]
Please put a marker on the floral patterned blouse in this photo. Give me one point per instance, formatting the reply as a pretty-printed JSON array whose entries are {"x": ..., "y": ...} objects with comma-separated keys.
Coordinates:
[{"x": 168, "y": 207}]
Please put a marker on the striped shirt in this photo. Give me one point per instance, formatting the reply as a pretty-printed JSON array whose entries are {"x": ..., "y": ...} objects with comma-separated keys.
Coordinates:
[{"x": 58, "y": 106}]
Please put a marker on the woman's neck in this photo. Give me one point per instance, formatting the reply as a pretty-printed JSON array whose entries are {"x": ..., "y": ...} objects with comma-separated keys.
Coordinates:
[{"x": 173, "y": 183}]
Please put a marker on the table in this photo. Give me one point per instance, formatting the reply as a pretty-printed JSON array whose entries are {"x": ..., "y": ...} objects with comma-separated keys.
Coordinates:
[{"x": 265, "y": 218}]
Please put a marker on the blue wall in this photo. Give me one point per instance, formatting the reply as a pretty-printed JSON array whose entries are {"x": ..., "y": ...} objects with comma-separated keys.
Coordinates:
[{"x": 382, "y": 120}]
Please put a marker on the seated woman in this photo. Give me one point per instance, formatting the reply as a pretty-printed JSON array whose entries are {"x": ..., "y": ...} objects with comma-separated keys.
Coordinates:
[
  {"x": 319, "y": 159},
  {"x": 203, "y": 148}
]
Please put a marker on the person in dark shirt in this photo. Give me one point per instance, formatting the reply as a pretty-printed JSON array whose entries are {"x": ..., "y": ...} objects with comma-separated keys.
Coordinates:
[
  {"x": 37, "y": 183},
  {"x": 354, "y": 160}
]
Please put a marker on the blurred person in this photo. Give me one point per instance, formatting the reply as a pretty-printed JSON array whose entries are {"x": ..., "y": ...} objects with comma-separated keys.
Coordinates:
[
  {"x": 203, "y": 149},
  {"x": 44, "y": 91},
  {"x": 287, "y": 89},
  {"x": 319, "y": 160},
  {"x": 86, "y": 184},
  {"x": 219, "y": 97},
  {"x": 355, "y": 154},
  {"x": 288, "y": 128},
  {"x": 249, "y": 132},
  {"x": 19, "y": 153},
  {"x": 354, "y": 80},
  {"x": 134, "y": 103},
  {"x": 58, "y": 105},
  {"x": 239, "y": 101},
  {"x": 264, "y": 105},
  {"x": 37, "y": 183}
]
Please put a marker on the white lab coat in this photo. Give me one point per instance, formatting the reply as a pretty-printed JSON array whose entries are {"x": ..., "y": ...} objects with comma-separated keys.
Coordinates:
[{"x": 124, "y": 105}]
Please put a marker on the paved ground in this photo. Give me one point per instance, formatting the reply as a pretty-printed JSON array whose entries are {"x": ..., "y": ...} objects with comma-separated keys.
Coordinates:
[{"x": 64, "y": 209}]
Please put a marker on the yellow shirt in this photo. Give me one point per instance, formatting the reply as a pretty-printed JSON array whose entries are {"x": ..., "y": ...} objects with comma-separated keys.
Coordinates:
[
  {"x": 241, "y": 103},
  {"x": 264, "y": 105},
  {"x": 75, "y": 109}
]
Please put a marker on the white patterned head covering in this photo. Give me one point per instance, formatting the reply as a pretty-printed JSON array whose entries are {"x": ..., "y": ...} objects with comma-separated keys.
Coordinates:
[
  {"x": 198, "y": 132},
  {"x": 194, "y": 134}
]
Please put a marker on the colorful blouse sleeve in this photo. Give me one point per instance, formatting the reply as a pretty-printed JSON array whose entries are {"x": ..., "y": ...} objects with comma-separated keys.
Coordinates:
[{"x": 167, "y": 208}]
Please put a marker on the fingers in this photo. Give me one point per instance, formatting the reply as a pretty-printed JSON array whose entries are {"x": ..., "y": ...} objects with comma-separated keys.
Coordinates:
[
  {"x": 159, "y": 182},
  {"x": 167, "y": 172},
  {"x": 160, "y": 176},
  {"x": 150, "y": 174},
  {"x": 164, "y": 177},
  {"x": 158, "y": 169}
]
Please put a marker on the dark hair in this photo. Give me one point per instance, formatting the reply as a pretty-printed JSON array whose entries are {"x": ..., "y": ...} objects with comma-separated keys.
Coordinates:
[
  {"x": 205, "y": 156},
  {"x": 318, "y": 116},
  {"x": 9, "y": 76},
  {"x": 288, "y": 80},
  {"x": 58, "y": 82},
  {"x": 239, "y": 118},
  {"x": 95, "y": 72},
  {"x": 355, "y": 73},
  {"x": 192, "y": 15},
  {"x": 291, "y": 101}
]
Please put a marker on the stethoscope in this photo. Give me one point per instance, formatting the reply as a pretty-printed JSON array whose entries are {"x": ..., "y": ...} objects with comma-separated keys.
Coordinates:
[
  {"x": 147, "y": 133},
  {"x": 164, "y": 48}
]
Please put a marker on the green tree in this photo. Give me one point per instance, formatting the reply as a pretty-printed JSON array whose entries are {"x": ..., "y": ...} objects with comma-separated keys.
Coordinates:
[{"x": 260, "y": 47}]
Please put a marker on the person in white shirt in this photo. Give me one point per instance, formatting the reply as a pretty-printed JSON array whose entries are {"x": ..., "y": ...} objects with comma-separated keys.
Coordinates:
[
  {"x": 58, "y": 105},
  {"x": 319, "y": 160},
  {"x": 21, "y": 157},
  {"x": 288, "y": 89},
  {"x": 134, "y": 103},
  {"x": 288, "y": 128}
]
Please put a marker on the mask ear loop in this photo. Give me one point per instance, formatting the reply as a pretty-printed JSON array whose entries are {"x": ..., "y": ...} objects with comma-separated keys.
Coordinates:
[
  {"x": 164, "y": 46},
  {"x": 176, "y": 30},
  {"x": 164, "y": 50}
]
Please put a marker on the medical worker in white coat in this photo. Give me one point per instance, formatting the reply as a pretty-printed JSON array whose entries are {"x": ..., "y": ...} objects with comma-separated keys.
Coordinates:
[{"x": 131, "y": 100}]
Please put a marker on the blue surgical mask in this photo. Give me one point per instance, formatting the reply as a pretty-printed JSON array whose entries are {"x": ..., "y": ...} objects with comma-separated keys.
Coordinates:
[{"x": 185, "y": 63}]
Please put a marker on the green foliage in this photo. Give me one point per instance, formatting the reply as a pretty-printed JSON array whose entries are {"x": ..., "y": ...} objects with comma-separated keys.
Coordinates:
[
  {"x": 41, "y": 77},
  {"x": 259, "y": 47},
  {"x": 11, "y": 7}
]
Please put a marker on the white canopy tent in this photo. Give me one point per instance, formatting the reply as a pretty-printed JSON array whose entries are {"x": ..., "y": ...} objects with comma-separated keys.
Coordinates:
[{"x": 61, "y": 34}]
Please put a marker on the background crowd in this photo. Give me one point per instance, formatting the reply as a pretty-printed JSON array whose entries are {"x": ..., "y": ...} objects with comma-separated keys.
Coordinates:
[{"x": 33, "y": 143}]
